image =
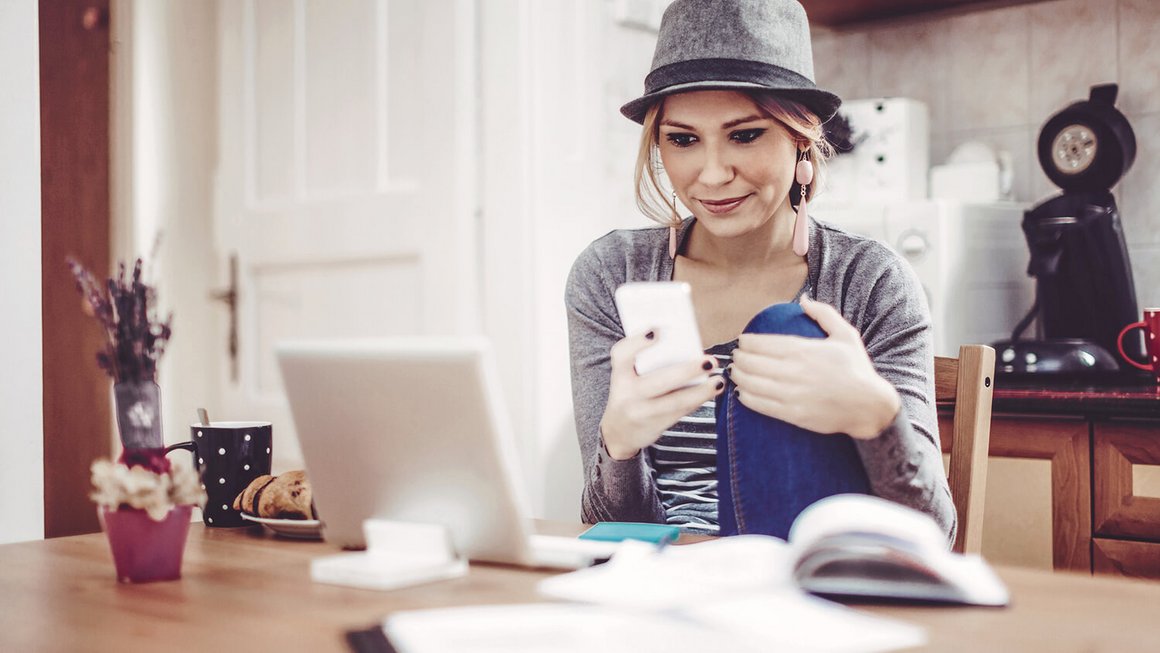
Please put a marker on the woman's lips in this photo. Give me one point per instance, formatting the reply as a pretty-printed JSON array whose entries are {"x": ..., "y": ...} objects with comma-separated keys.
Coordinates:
[{"x": 723, "y": 206}]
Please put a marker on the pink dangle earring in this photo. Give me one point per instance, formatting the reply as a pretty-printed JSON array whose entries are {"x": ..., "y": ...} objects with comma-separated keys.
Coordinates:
[
  {"x": 675, "y": 222},
  {"x": 804, "y": 175}
]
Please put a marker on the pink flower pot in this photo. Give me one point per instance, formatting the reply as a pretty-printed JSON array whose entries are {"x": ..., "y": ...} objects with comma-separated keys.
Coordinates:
[{"x": 145, "y": 550}]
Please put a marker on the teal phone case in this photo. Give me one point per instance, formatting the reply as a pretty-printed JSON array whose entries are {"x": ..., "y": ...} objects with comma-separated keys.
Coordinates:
[{"x": 616, "y": 531}]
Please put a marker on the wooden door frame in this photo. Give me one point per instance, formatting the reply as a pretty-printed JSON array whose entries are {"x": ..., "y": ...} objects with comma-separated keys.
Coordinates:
[{"x": 74, "y": 115}]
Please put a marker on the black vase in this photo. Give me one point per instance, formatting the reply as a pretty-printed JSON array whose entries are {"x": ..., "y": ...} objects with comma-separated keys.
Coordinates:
[{"x": 138, "y": 408}]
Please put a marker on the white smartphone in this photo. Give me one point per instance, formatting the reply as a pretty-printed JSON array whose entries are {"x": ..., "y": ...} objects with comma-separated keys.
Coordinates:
[{"x": 667, "y": 308}]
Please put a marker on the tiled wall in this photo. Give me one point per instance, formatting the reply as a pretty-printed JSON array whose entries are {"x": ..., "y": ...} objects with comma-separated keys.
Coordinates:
[{"x": 996, "y": 76}]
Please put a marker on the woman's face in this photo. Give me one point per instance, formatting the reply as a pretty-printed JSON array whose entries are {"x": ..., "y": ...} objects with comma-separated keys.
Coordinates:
[{"x": 730, "y": 164}]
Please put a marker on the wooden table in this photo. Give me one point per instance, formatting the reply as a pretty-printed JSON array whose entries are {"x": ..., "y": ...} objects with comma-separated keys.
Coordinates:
[{"x": 246, "y": 590}]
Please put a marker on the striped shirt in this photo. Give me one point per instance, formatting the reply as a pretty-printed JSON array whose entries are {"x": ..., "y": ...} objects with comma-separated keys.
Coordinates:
[{"x": 685, "y": 462}]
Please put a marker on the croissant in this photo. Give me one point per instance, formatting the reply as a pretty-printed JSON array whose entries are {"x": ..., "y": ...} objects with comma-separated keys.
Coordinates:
[{"x": 286, "y": 496}]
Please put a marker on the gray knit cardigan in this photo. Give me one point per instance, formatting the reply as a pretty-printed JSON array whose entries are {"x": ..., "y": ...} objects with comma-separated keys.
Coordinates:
[{"x": 870, "y": 285}]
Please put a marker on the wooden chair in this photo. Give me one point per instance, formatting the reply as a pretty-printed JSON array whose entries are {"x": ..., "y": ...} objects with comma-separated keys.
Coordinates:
[{"x": 967, "y": 382}]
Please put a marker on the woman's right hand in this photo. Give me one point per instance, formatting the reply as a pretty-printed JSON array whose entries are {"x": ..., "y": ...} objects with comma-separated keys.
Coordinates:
[{"x": 640, "y": 407}]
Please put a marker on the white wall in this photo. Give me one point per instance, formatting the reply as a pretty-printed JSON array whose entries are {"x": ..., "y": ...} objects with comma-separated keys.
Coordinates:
[
  {"x": 21, "y": 405},
  {"x": 164, "y": 136},
  {"x": 557, "y": 161}
]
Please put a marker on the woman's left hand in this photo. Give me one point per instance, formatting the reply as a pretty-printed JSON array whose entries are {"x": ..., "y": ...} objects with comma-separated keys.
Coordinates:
[{"x": 823, "y": 385}]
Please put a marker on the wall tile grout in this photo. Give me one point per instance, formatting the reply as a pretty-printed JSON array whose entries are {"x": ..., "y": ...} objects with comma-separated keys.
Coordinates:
[
  {"x": 1055, "y": 73},
  {"x": 1119, "y": 51}
]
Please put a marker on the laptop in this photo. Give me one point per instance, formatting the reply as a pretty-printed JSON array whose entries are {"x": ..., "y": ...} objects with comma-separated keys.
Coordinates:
[{"x": 414, "y": 430}]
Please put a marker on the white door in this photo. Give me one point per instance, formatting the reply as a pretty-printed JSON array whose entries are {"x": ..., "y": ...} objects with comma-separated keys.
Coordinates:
[{"x": 345, "y": 183}]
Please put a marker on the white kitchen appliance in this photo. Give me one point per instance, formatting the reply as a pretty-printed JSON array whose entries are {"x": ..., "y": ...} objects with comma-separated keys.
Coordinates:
[
  {"x": 891, "y": 152},
  {"x": 970, "y": 259}
]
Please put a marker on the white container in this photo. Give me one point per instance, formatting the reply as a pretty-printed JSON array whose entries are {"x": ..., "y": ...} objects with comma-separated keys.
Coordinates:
[
  {"x": 971, "y": 180},
  {"x": 891, "y": 159},
  {"x": 970, "y": 258},
  {"x": 973, "y": 172}
]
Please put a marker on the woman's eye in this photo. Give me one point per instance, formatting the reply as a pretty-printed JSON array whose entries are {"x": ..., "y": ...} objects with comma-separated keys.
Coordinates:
[
  {"x": 681, "y": 140},
  {"x": 747, "y": 135}
]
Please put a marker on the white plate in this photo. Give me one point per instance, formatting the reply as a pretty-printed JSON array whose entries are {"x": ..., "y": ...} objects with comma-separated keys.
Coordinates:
[{"x": 307, "y": 529}]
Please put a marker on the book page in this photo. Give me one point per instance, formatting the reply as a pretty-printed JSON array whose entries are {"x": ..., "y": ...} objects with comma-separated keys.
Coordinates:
[
  {"x": 863, "y": 514},
  {"x": 857, "y": 545}
]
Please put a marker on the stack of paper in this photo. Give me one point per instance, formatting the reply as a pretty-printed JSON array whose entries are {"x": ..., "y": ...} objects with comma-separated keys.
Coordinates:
[{"x": 731, "y": 594}]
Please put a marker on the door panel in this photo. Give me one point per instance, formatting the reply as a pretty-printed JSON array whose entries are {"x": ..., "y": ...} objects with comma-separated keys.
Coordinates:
[
  {"x": 346, "y": 182},
  {"x": 340, "y": 61},
  {"x": 299, "y": 302},
  {"x": 273, "y": 97}
]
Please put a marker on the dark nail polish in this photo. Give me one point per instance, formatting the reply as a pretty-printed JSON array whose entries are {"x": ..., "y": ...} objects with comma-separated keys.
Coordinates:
[
  {"x": 706, "y": 366},
  {"x": 650, "y": 335},
  {"x": 720, "y": 384}
]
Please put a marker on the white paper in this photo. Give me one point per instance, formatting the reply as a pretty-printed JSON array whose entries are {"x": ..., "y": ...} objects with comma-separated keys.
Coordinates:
[
  {"x": 790, "y": 620},
  {"x": 557, "y": 627},
  {"x": 639, "y": 576},
  {"x": 783, "y": 621}
]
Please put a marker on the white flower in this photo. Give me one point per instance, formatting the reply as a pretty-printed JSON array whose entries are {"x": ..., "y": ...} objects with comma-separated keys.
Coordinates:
[{"x": 116, "y": 485}]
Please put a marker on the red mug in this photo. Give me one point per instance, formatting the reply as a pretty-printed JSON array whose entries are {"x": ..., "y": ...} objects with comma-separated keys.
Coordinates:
[{"x": 1151, "y": 326}]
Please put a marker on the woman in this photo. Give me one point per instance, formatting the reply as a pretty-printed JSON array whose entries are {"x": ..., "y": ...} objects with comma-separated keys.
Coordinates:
[{"x": 824, "y": 395}]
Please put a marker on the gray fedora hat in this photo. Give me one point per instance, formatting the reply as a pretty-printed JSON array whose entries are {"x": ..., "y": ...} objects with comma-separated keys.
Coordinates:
[{"x": 734, "y": 44}]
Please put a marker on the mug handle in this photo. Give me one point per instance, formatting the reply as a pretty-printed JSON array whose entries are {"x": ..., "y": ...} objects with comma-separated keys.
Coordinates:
[
  {"x": 1120, "y": 344},
  {"x": 192, "y": 448}
]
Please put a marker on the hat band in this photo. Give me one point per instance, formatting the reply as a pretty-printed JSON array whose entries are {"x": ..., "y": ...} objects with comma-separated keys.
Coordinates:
[{"x": 725, "y": 70}]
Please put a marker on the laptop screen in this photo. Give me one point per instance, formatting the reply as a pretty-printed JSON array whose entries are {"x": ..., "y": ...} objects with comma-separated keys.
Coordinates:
[{"x": 408, "y": 429}]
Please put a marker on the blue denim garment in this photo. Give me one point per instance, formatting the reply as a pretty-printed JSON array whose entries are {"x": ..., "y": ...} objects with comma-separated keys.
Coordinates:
[{"x": 768, "y": 471}]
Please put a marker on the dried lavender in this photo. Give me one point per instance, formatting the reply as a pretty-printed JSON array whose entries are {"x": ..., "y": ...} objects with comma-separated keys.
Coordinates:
[{"x": 134, "y": 337}]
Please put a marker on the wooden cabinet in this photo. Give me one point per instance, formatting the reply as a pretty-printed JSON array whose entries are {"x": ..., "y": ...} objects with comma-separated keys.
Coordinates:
[
  {"x": 1102, "y": 446},
  {"x": 1063, "y": 443},
  {"x": 1126, "y": 558},
  {"x": 1121, "y": 511},
  {"x": 1127, "y": 518}
]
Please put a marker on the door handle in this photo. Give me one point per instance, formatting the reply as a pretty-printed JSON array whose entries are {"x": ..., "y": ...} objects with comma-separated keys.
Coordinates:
[
  {"x": 229, "y": 297},
  {"x": 93, "y": 18}
]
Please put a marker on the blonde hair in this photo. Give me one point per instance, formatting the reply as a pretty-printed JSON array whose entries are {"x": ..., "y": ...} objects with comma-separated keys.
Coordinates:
[{"x": 803, "y": 125}]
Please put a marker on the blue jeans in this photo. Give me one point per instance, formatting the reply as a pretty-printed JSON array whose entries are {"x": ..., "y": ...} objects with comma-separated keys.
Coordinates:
[{"x": 768, "y": 470}]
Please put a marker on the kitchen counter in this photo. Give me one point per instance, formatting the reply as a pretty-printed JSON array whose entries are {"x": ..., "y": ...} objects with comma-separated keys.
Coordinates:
[{"x": 1078, "y": 399}]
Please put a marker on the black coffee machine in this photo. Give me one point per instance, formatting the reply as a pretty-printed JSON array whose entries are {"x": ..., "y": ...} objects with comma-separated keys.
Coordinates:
[{"x": 1084, "y": 293}]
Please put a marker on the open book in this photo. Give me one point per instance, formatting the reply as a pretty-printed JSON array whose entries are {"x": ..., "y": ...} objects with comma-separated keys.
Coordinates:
[
  {"x": 738, "y": 593},
  {"x": 845, "y": 545},
  {"x": 857, "y": 545}
]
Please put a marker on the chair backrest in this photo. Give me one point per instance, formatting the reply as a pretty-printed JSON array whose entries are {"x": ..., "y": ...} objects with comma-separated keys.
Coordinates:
[{"x": 968, "y": 383}]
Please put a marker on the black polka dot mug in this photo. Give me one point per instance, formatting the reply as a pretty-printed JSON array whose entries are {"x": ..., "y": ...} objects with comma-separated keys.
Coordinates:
[{"x": 228, "y": 455}]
